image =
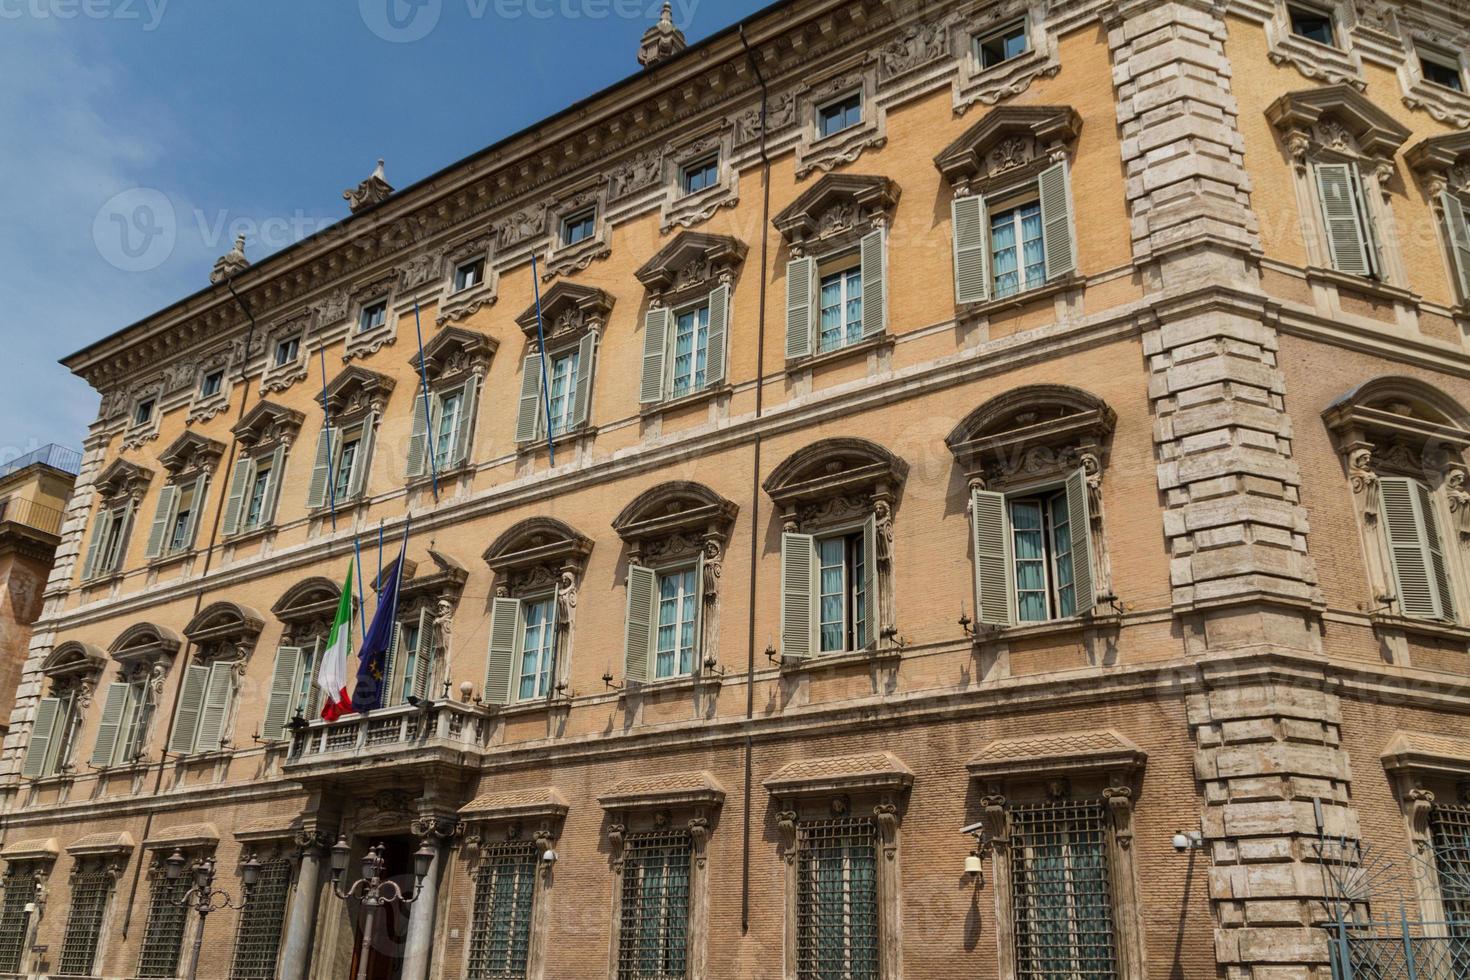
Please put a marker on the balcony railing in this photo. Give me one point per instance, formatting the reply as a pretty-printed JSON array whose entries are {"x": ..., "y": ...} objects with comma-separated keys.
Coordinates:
[
  {"x": 403, "y": 727},
  {"x": 57, "y": 457},
  {"x": 28, "y": 513}
]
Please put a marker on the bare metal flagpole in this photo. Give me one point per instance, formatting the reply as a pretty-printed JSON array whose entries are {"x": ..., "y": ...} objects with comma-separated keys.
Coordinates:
[
  {"x": 545, "y": 378},
  {"x": 428, "y": 414},
  {"x": 327, "y": 415}
]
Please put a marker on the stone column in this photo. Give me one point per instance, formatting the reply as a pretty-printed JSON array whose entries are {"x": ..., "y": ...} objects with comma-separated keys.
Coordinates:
[
  {"x": 423, "y": 913},
  {"x": 301, "y": 925}
]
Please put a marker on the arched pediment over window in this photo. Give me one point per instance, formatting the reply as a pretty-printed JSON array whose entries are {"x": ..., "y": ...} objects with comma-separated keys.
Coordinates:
[
  {"x": 144, "y": 641},
  {"x": 73, "y": 659},
  {"x": 1030, "y": 431},
  {"x": 833, "y": 467},
  {"x": 679, "y": 505},
  {"x": 1399, "y": 422},
  {"x": 224, "y": 621},
  {"x": 538, "y": 541}
]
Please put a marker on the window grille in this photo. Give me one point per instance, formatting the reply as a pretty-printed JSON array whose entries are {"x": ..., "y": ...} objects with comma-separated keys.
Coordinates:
[
  {"x": 505, "y": 889},
  {"x": 1449, "y": 829},
  {"x": 258, "y": 939},
  {"x": 20, "y": 889},
  {"x": 653, "y": 931},
  {"x": 89, "y": 893},
  {"x": 165, "y": 933},
  {"x": 837, "y": 899},
  {"x": 1061, "y": 891}
]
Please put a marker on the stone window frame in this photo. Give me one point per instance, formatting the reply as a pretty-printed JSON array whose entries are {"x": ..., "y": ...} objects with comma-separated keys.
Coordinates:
[
  {"x": 29, "y": 862},
  {"x": 280, "y": 377},
  {"x": 355, "y": 399},
  {"x": 225, "y": 359},
  {"x": 654, "y": 804},
  {"x": 815, "y": 152},
  {"x": 1337, "y": 124},
  {"x": 816, "y": 789},
  {"x": 837, "y": 485},
  {"x": 145, "y": 654},
  {"x": 72, "y": 670},
  {"x": 974, "y": 85},
  {"x": 1386, "y": 427},
  {"x": 1423, "y": 769},
  {"x": 189, "y": 459},
  {"x": 570, "y": 314},
  {"x": 455, "y": 357},
  {"x": 1008, "y": 446},
  {"x": 1442, "y": 164},
  {"x": 671, "y": 526},
  {"x": 563, "y": 260},
  {"x": 536, "y": 559},
  {"x": 385, "y": 288},
  {"x": 430, "y": 600},
  {"x": 270, "y": 844},
  {"x": 195, "y": 842},
  {"x": 306, "y": 611},
  {"x": 538, "y": 815},
  {"x": 830, "y": 220},
  {"x": 455, "y": 306},
  {"x": 269, "y": 428},
  {"x": 121, "y": 487},
  {"x": 681, "y": 210},
  {"x": 1036, "y": 768},
  {"x": 223, "y": 634},
  {"x": 108, "y": 855},
  {"x": 1334, "y": 64},
  {"x": 684, "y": 271},
  {"x": 138, "y": 434},
  {"x": 1444, "y": 104}
]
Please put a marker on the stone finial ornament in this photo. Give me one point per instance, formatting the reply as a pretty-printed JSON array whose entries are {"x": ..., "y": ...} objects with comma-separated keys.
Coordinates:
[
  {"x": 231, "y": 263},
  {"x": 662, "y": 40},
  {"x": 374, "y": 190}
]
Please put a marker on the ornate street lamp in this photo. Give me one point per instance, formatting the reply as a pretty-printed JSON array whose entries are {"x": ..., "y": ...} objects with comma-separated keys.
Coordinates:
[
  {"x": 372, "y": 891},
  {"x": 204, "y": 897}
]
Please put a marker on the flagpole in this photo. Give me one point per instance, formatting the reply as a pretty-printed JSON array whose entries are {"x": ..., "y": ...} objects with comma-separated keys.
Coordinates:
[
  {"x": 428, "y": 415},
  {"x": 545, "y": 377},
  {"x": 327, "y": 415},
  {"x": 380, "y": 549},
  {"x": 361, "y": 597}
]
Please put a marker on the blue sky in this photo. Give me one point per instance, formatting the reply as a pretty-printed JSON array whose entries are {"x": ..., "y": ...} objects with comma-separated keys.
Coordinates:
[{"x": 228, "y": 115}]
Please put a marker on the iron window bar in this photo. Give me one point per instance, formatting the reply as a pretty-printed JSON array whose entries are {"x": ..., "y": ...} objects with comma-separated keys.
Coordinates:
[
  {"x": 1062, "y": 891},
  {"x": 837, "y": 899},
  {"x": 653, "y": 928},
  {"x": 500, "y": 932},
  {"x": 258, "y": 936},
  {"x": 90, "y": 891}
]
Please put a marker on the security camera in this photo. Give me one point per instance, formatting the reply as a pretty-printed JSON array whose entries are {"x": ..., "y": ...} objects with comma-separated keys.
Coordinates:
[
  {"x": 548, "y": 856},
  {"x": 973, "y": 828},
  {"x": 1192, "y": 841}
]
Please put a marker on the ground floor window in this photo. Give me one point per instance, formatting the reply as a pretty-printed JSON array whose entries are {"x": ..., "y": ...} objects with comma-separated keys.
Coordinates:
[
  {"x": 653, "y": 927},
  {"x": 258, "y": 936},
  {"x": 20, "y": 890},
  {"x": 164, "y": 936},
  {"x": 505, "y": 891},
  {"x": 1061, "y": 891},
  {"x": 90, "y": 891},
  {"x": 837, "y": 899}
]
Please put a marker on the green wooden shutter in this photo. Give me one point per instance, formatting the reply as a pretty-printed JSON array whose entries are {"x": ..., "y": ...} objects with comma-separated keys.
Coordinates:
[
  {"x": 874, "y": 255},
  {"x": 1458, "y": 225},
  {"x": 586, "y": 363},
  {"x": 168, "y": 499},
  {"x": 392, "y": 688},
  {"x": 1057, "y": 231},
  {"x": 870, "y": 583},
  {"x": 357, "y": 480},
  {"x": 719, "y": 327},
  {"x": 312, "y": 709},
  {"x": 655, "y": 342},
  {"x": 124, "y": 538},
  {"x": 235, "y": 503},
  {"x": 798, "y": 596},
  {"x": 328, "y": 442},
  {"x": 1408, "y": 549},
  {"x": 39, "y": 754},
  {"x": 109, "y": 729},
  {"x": 191, "y": 531},
  {"x": 1079, "y": 518},
  {"x": 971, "y": 250},
  {"x": 191, "y": 704},
  {"x": 464, "y": 428},
  {"x": 217, "y": 696},
  {"x": 505, "y": 626},
  {"x": 994, "y": 594},
  {"x": 134, "y": 717},
  {"x": 1435, "y": 544},
  {"x": 273, "y": 487},
  {"x": 281, "y": 701},
  {"x": 418, "y": 440},
  {"x": 638, "y": 630},
  {"x": 1342, "y": 216},
  {"x": 529, "y": 411},
  {"x": 425, "y": 657},
  {"x": 100, "y": 531},
  {"x": 801, "y": 300}
]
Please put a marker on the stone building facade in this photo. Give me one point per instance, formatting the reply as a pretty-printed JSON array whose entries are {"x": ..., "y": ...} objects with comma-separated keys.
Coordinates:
[{"x": 975, "y": 443}]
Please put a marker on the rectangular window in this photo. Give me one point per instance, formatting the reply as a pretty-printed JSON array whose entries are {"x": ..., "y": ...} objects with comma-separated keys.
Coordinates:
[
  {"x": 1346, "y": 219},
  {"x": 579, "y": 227},
  {"x": 468, "y": 275},
  {"x": 451, "y": 405},
  {"x": 1017, "y": 253},
  {"x": 1002, "y": 45},
  {"x": 408, "y": 642},
  {"x": 143, "y": 414},
  {"x": 1312, "y": 24},
  {"x": 90, "y": 891},
  {"x": 373, "y": 316},
  {"x": 500, "y": 930},
  {"x": 700, "y": 175},
  {"x": 164, "y": 936},
  {"x": 563, "y": 390},
  {"x": 1041, "y": 550},
  {"x": 841, "y": 309},
  {"x": 538, "y": 649},
  {"x": 20, "y": 890},
  {"x": 133, "y": 731},
  {"x": 183, "y": 520},
  {"x": 1442, "y": 70},
  {"x": 691, "y": 350},
  {"x": 1449, "y": 831},
  {"x": 837, "y": 899},
  {"x": 258, "y": 935},
  {"x": 212, "y": 383},
  {"x": 259, "y": 486},
  {"x": 1061, "y": 895},
  {"x": 112, "y": 546},
  {"x": 653, "y": 911},
  {"x": 844, "y": 113},
  {"x": 287, "y": 351},
  {"x": 842, "y": 601},
  {"x": 678, "y": 616},
  {"x": 347, "y": 461}
]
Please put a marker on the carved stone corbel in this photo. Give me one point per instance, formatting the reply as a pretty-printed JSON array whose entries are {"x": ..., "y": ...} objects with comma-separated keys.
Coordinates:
[
  {"x": 1120, "y": 804},
  {"x": 1418, "y": 804},
  {"x": 886, "y": 813},
  {"x": 699, "y": 837},
  {"x": 1364, "y": 479},
  {"x": 786, "y": 827},
  {"x": 993, "y": 816},
  {"x": 617, "y": 839}
]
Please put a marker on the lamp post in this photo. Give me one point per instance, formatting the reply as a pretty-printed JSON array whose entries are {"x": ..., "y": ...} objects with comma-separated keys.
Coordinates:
[
  {"x": 204, "y": 897},
  {"x": 371, "y": 890}
]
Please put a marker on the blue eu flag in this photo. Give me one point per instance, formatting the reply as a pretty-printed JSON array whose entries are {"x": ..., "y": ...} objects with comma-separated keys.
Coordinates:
[{"x": 367, "y": 695}]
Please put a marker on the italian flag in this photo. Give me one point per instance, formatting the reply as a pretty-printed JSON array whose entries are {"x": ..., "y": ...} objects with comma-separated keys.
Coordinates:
[{"x": 331, "y": 675}]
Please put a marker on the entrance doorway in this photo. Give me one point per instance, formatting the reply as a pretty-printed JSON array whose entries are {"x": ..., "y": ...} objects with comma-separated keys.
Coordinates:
[{"x": 390, "y": 923}]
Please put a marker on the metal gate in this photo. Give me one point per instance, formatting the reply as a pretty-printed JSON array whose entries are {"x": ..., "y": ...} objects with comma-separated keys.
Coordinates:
[{"x": 1400, "y": 949}]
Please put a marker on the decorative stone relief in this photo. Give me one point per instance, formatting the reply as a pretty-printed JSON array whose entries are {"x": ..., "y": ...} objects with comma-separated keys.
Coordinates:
[
  {"x": 975, "y": 85},
  {"x": 815, "y": 152}
]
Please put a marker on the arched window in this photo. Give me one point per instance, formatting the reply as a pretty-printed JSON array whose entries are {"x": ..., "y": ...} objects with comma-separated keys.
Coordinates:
[
  {"x": 306, "y": 611},
  {"x": 71, "y": 672},
  {"x": 143, "y": 652},
  {"x": 223, "y": 635}
]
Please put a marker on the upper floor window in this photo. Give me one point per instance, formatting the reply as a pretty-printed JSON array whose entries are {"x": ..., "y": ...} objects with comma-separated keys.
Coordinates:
[
  {"x": 840, "y": 114},
  {"x": 700, "y": 175},
  {"x": 579, "y": 227},
  {"x": 143, "y": 413},
  {"x": 1416, "y": 549},
  {"x": 205, "y": 700},
  {"x": 1017, "y": 253},
  {"x": 71, "y": 671},
  {"x": 191, "y": 460},
  {"x": 255, "y": 484},
  {"x": 126, "y": 713},
  {"x": 1312, "y": 23},
  {"x": 468, "y": 275},
  {"x": 343, "y": 457},
  {"x": 120, "y": 489},
  {"x": 454, "y": 364},
  {"x": 840, "y": 304},
  {"x": 413, "y": 656},
  {"x": 1351, "y": 244},
  {"x": 211, "y": 384},
  {"x": 685, "y": 329},
  {"x": 1442, "y": 164},
  {"x": 1002, "y": 45},
  {"x": 1441, "y": 69},
  {"x": 287, "y": 351},
  {"x": 293, "y": 692},
  {"x": 372, "y": 316},
  {"x": 556, "y": 391}
]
